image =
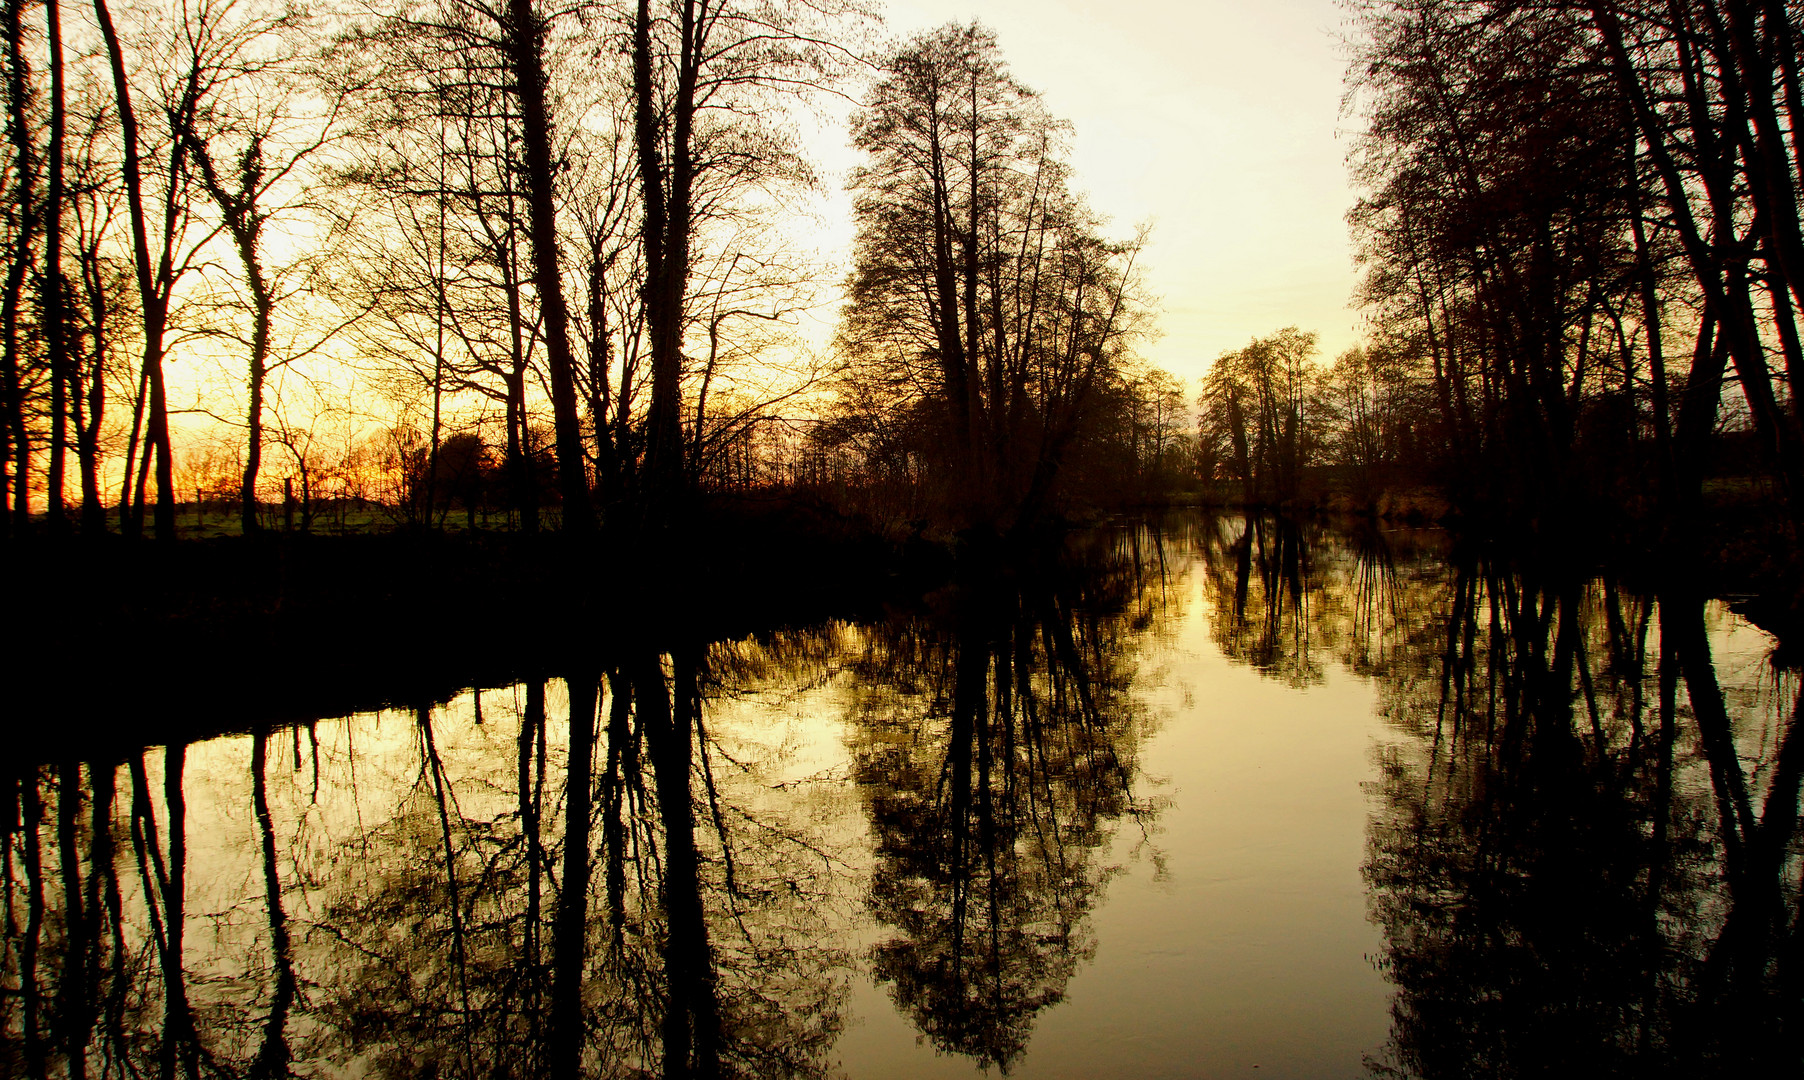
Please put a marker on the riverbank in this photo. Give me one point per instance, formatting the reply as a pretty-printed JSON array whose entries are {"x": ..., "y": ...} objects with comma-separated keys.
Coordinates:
[
  {"x": 287, "y": 627},
  {"x": 1743, "y": 549}
]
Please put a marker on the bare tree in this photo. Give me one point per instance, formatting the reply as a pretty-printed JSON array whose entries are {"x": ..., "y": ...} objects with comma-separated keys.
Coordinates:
[
  {"x": 22, "y": 226},
  {"x": 701, "y": 70},
  {"x": 261, "y": 115},
  {"x": 523, "y": 33},
  {"x": 981, "y": 285},
  {"x": 160, "y": 213},
  {"x": 55, "y": 294},
  {"x": 1261, "y": 408}
]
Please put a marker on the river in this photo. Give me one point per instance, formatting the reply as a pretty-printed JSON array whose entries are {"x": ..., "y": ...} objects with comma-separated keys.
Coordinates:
[{"x": 1212, "y": 797}]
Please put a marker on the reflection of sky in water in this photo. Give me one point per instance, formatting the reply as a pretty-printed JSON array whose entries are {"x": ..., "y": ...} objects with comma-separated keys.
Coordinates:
[{"x": 1210, "y": 916}]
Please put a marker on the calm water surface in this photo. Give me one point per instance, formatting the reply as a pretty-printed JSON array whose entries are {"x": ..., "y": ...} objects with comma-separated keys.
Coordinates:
[{"x": 1227, "y": 796}]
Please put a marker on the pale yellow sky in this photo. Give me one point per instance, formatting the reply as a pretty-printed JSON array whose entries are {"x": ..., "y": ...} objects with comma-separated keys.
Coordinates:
[{"x": 1215, "y": 120}]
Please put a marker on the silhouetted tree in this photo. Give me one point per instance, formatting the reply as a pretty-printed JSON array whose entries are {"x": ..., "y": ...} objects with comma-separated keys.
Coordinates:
[
  {"x": 984, "y": 302},
  {"x": 1262, "y": 414},
  {"x": 1554, "y": 194},
  {"x": 703, "y": 77}
]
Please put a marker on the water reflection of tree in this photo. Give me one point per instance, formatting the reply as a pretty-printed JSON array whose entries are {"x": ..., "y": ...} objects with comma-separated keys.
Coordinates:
[
  {"x": 1261, "y": 612},
  {"x": 85, "y": 987},
  {"x": 438, "y": 938},
  {"x": 1584, "y": 855},
  {"x": 684, "y": 965},
  {"x": 995, "y": 750},
  {"x": 1569, "y": 862}
]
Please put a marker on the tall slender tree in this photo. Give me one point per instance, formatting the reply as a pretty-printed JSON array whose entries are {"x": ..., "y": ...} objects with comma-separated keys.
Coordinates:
[
  {"x": 705, "y": 75},
  {"x": 524, "y": 37},
  {"x": 978, "y": 276},
  {"x": 55, "y": 294},
  {"x": 23, "y": 224}
]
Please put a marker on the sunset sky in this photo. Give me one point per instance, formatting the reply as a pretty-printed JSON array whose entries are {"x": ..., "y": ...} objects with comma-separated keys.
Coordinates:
[{"x": 1218, "y": 122}]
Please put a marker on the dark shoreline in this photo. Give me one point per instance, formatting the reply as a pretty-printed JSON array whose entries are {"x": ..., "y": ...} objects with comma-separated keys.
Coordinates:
[
  {"x": 1742, "y": 550},
  {"x": 186, "y": 640}
]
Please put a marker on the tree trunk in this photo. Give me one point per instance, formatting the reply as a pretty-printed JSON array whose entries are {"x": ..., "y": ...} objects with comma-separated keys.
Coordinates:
[
  {"x": 522, "y": 478},
  {"x": 55, "y": 322},
  {"x": 93, "y": 508},
  {"x": 20, "y": 130},
  {"x": 665, "y": 228},
  {"x": 600, "y": 361},
  {"x": 524, "y": 36},
  {"x": 691, "y": 1021},
  {"x": 273, "y": 1053},
  {"x": 74, "y": 1007},
  {"x": 571, "y": 942},
  {"x": 245, "y": 225},
  {"x": 153, "y": 280}
]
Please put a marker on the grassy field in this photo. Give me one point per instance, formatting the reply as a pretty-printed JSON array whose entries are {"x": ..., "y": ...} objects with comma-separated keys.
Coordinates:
[{"x": 211, "y": 520}]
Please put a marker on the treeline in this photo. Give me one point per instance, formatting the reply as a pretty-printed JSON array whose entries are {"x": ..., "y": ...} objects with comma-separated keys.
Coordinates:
[
  {"x": 541, "y": 261},
  {"x": 1582, "y": 259}
]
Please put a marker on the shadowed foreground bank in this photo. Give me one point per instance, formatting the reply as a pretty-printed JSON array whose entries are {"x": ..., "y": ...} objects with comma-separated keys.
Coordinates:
[
  {"x": 289, "y": 627},
  {"x": 293, "y": 626}
]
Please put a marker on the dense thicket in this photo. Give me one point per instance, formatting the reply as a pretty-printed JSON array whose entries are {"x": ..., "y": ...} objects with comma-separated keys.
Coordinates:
[{"x": 1579, "y": 233}]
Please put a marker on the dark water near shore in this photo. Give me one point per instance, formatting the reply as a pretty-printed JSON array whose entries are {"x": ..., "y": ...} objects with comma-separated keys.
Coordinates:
[{"x": 1217, "y": 796}]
